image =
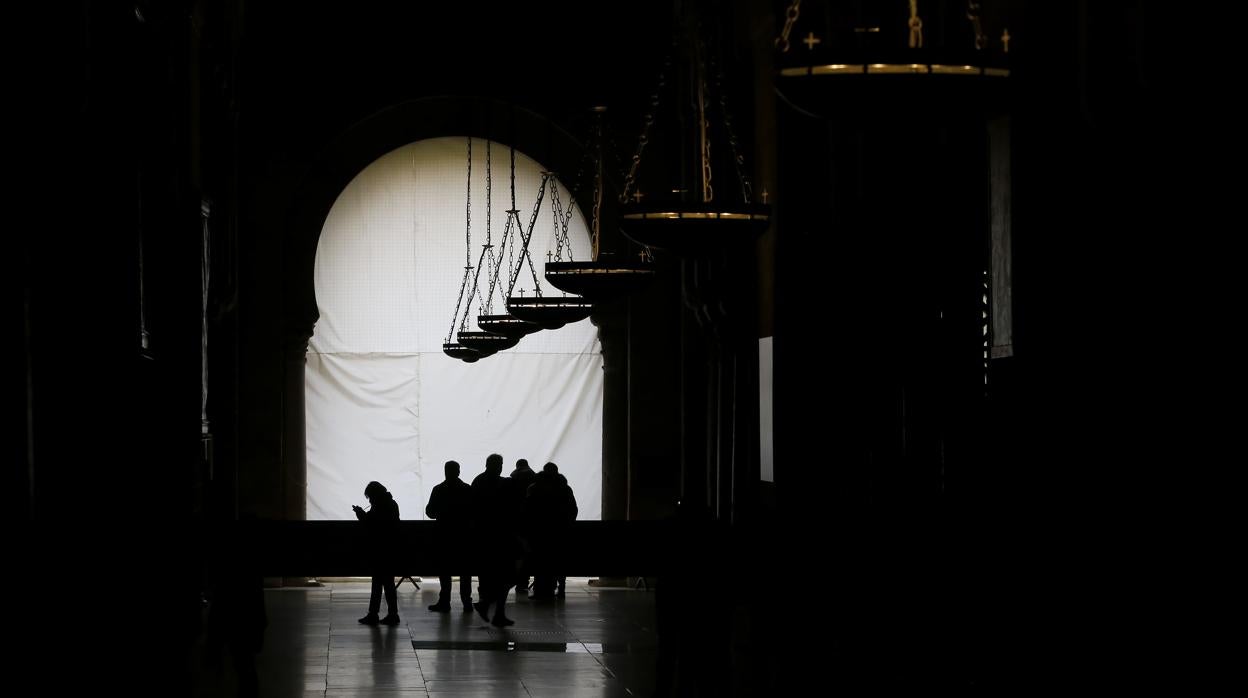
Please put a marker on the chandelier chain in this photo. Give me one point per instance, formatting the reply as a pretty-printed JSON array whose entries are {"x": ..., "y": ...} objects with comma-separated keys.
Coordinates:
[
  {"x": 630, "y": 180},
  {"x": 790, "y": 17}
]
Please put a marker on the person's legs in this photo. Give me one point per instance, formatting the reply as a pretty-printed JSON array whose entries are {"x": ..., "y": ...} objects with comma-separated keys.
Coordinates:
[
  {"x": 543, "y": 586},
  {"x": 465, "y": 591},
  {"x": 374, "y": 601},
  {"x": 522, "y": 572},
  {"x": 500, "y": 585},
  {"x": 485, "y": 594},
  {"x": 558, "y": 582},
  {"x": 500, "y": 599},
  {"x": 392, "y": 602},
  {"x": 543, "y": 578},
  {"x": 444, "y": 594}
]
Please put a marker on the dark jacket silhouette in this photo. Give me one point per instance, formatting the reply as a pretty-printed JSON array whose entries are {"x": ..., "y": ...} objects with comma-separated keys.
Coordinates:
[
  {"x": 517, "y": 485},
  {"x": 493, "y": 540},
  {"x": 450, "y": 504},
  {"x": 550, "y": 508},
  {"x": 489, "y": 502},
  {"x": 550, "y": 500},
  {"x": 517, "y": 491},
  {"x": 381, "y": 522}
]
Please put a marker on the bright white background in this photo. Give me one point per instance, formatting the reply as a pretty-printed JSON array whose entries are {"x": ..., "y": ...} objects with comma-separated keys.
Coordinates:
[{"x": 383, "y": 402}]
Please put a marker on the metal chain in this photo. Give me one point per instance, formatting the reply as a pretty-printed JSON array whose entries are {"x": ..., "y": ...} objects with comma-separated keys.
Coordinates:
[
  {"x": 562, "y": 216},
  {"x": 475, "y": 293},
  {"x": 459, "y": 302},
  {"x": 488, "y": 301},
  {"x": 647, "y": 123},
  {"x": 790, "y": 17},
  {"x": 708, "y": 192},
  {"x": 596, "y": 232},
  {"x": 468, "y": 212},
  {"x": 487, "y": 252},
  {"x": 613, "y": 149},
  {"x": 916, "y": 26},
  {"x": 972, "y": 13},
  {"x": 556, "y": 215},
  {"x": 205, "y": 270},
  {"x": 986, "y": 311},
  {"x": 525, "y": 254},
  {"x": 508, "y": 232},
  {"x": 526, "y": 237},
  {"x": 489, "y": 192},
  {"x": 566, "y": 224},
  {"x": 563, "y": 221},
  {"x": 516, "y": 238},
  {"x": 747, "y": 189},
  {"x": 580, "y": 172},
  {"x": 513, "y": 211}
]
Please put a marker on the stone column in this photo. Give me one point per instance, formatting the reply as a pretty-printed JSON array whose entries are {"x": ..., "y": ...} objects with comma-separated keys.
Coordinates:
[{"x": 294, "y": 435}]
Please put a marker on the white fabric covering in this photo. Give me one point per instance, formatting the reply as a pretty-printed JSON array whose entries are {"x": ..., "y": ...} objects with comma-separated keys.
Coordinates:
[{"x": 383, "y": 402}]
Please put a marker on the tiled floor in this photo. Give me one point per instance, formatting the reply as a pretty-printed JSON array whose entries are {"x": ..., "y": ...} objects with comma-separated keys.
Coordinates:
[{"x": 597, "y": 642}]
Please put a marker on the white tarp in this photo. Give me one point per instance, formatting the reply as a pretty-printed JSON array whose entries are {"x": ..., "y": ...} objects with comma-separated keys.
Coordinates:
[{"x": 383, "y": 402}]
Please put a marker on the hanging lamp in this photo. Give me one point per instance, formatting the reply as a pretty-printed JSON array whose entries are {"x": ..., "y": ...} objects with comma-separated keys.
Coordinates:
[
  {"x": 484, "y": 341},
  {"x": 504, "y": 324},
  {"x": 455, "y": 350},
  {"x": 604, "y": 275},
  {"x": 548, "y": 312},
  {"x": 911, "y": 54},
  {"x": 687, "y": 218},
  {"x": 472, "y": 346}
]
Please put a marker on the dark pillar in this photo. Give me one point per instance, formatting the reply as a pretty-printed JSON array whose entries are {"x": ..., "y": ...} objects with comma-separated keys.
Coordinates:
[
  {"x": 654, "y": 387},
  {"x": 612, "y": 323},
  {"x": 693, "y": 391},
  {"x": 294, "y": 436}
]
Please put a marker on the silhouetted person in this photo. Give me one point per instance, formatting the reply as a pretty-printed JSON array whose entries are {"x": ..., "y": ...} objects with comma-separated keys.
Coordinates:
[
  {"x": 550, "y": 509},
  {"x": 517, "y": 490},
  {"x": 381, "y": 520},
  {"x": 450, "y": 504},
  {"x": 495, "y": 542},
  {"x": 570, "y": 512}
]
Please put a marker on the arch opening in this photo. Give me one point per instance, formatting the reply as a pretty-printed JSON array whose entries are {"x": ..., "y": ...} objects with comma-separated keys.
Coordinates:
[{"x": 382, "y": 402}]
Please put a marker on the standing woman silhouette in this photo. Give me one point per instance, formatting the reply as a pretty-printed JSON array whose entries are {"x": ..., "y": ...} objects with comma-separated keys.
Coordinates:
[{"x": 381, "y": 521}]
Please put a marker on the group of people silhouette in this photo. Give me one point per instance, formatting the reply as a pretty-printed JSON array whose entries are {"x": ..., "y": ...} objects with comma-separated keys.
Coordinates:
[{"x": 507, "y": 527}]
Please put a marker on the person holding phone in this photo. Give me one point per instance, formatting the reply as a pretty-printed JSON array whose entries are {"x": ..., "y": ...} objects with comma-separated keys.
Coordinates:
[{"x": 381, "y": 520}]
